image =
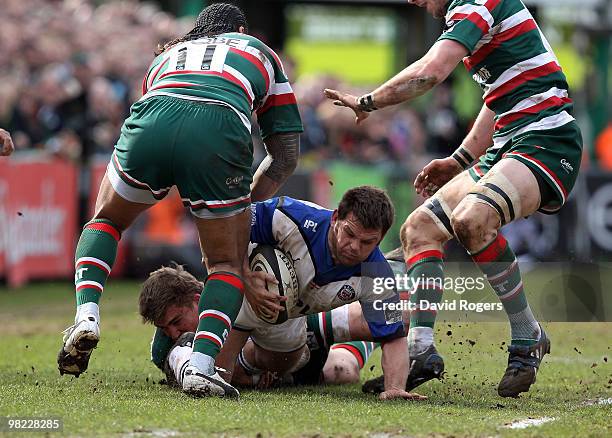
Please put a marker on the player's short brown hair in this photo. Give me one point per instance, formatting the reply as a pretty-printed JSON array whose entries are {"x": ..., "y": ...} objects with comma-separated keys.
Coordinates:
[
  {"x": 370, "y": 205},
  {"x": 167, "y": 286}
]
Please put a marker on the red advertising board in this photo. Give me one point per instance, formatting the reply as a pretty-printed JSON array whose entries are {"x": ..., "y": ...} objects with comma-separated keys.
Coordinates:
[{"x": 38, "y": 219}]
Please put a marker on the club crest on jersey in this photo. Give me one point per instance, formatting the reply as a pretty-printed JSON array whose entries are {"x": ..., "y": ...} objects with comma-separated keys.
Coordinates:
[
  {"x": 346, "y": 293},
  {"x": 482, "y": 75}
]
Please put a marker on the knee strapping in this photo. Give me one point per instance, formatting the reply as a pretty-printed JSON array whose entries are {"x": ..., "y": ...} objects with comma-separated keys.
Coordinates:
[
  {"x": 499, "y": 193},
  {"x": 439, "y": 212}
]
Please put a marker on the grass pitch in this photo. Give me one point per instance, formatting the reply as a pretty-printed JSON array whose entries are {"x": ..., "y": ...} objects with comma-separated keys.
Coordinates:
[{"x": 120, "y": 395}]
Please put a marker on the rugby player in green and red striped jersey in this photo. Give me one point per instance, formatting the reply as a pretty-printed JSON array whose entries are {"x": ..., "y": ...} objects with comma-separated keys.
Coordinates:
[
  {"x": 528, "y": 147},
  {"x": 192, "y": 129}
]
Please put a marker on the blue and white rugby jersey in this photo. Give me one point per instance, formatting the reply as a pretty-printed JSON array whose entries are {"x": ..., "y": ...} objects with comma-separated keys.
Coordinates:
[{"x": 300, "y": 229}]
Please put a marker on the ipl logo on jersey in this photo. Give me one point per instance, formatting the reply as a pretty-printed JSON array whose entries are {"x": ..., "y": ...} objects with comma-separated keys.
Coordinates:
[{"x": 346, "y": 293}]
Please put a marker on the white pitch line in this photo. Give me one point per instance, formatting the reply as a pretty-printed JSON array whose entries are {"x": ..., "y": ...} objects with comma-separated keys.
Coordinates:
[
  {"x": 522, "y": 424},
  {"x": 599, "y": 401}
]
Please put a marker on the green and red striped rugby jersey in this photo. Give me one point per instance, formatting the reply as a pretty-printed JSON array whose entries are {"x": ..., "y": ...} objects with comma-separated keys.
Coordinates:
[
  {"x": 232, "y": 69},
  {"x": 512, "y": 61}
]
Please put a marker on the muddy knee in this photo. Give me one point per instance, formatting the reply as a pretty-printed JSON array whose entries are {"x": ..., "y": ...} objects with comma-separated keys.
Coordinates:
[
  {"x": 420, "y": 231},
  {"x": 474, "y": 224},
  {"x": 341, "y": 368}
]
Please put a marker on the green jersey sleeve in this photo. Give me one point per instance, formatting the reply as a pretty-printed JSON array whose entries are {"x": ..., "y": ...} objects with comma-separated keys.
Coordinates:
[{"x": 279, "y": 111}]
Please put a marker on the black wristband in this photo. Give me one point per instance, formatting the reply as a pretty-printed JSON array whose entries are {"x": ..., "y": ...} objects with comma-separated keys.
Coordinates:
[
  {"x": 366, "y": 103},
  {"x": 463, "y": 157}
]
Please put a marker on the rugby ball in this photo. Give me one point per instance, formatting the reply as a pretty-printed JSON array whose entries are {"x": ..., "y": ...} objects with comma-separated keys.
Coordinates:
[{"x": 274, "y": 261}]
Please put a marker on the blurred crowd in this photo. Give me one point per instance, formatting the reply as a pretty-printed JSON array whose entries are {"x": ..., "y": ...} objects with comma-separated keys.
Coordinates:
[{"x": 70, "y": 69}]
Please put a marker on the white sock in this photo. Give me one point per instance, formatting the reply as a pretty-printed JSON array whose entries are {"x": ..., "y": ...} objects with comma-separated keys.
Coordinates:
[
  {"x": 178, "y": 360},
  {"x": 340, "y": 324},
  {"x": 419, "y": 339},
  {"x": 87, "y": 310},
  {"x": 203, "y": 362}
]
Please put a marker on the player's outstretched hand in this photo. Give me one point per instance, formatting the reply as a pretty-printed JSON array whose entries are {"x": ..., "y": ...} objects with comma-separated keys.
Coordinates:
[
  {"x": 393, "y": 394},
  {"x": 347, "y": 100},
  {"x": 263, "y": 302},
  {"x": 6, "y": 143},
  {"x": 435, "y": 175}
]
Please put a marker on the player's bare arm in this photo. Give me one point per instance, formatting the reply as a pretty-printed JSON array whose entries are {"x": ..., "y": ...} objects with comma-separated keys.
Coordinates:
[
  {"x": 440, "y": 171},
  {"x": 395, "y": 366},
  {"x": 231, "y": 348},
  {"x": 283, "y": 153},
  {"x": 414, "y": 81},
  {"x": 6, "y": 143}
]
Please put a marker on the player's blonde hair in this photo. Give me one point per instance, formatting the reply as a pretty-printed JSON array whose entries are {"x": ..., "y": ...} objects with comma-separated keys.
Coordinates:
[{"x": 165, "y": 287}]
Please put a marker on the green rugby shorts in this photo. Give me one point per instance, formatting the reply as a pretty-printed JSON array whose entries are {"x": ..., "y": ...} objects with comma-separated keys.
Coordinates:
[
  {"x": 554, "y": 155},
  {"x": 202, "y": 148}
]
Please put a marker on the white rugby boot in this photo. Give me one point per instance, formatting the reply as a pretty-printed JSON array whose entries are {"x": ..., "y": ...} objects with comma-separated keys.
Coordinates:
[
  {"x": 197, "y": 384},
  {"x": 79, "y": 341}
]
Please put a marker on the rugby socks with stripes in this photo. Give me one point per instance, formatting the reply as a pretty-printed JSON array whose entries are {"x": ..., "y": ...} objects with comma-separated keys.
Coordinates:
[
  {"x": 498, "y": 262},
  {"x": 218, "y": 308},
  {"x": 331, "y": 330},
  {"x": 94, "y": 259},
  {"x": 426, "y": 275},
  {"x": 360, "y": 349},
  {"x": 329, "y": 327}
]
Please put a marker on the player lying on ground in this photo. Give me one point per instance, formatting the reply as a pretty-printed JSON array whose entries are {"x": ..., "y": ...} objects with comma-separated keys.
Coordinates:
[
  {"x": 335, "y": 254},
  {"x": 169, "y": 300},
  {"x": 530, "y": 149},
  {"x": 192, "y": 129}
]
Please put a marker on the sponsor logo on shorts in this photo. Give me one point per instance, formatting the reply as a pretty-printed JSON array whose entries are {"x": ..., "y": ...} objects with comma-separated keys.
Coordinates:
[
  {"x": 566, "y": 166},
  {"x": 233, "y": 182},
  {"x": 346, "y": 293}
]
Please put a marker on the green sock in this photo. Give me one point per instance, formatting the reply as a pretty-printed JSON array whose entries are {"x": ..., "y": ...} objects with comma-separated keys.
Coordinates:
[
  {"x": 426, "y": 272},
  {"x": 321, "y": 325},
  {"x": 219, "y": 305},
  {"x": 360, "y": 349},
  {"x": 498, "y": 262},
  {"x": 94, "y": 259}
]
